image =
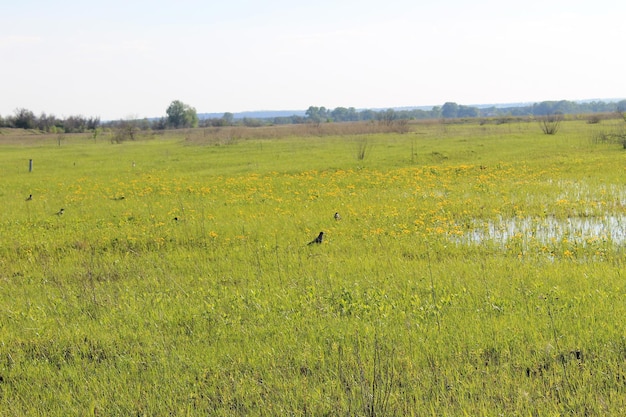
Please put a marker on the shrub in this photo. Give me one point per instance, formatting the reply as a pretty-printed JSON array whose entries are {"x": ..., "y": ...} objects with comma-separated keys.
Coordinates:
[{"x": 551, "y": 123}]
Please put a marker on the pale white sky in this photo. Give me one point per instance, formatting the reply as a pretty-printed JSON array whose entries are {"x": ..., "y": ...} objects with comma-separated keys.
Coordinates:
[{"x": 132, "y": 58}]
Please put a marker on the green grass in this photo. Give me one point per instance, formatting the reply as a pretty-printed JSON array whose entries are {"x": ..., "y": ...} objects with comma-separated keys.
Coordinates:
[{"x": 115, "y": 308}]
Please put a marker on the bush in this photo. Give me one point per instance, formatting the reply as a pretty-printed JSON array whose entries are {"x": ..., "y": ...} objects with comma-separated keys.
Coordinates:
[
  {"x": 594, "y": 119},
  {"x": 550, "y": 123},
  {"x": 127, "y": 130}
]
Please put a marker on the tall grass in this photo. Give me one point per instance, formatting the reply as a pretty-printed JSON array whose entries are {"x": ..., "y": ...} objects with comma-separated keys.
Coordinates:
[{"x": 196, "y": 294}]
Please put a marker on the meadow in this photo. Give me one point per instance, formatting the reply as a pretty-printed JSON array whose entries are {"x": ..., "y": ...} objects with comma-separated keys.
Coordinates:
[{"x": 477, "y": 269}]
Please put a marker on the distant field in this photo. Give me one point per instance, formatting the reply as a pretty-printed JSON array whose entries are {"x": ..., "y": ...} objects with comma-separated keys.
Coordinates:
[{"x": 477, "y": 269}]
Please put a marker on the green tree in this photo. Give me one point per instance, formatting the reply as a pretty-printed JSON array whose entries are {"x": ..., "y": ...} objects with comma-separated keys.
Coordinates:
[
  {"x": 228, "y": 119},
  {"x": 387, "y": 117},
  {"x": 181, "y": 115},
  {"x": 468, "y": 111},
  {"x": 125, "y": 130},
  {"x": 342, "y": 114},
  {"x": 545, "y": 108},
  {"x": 317, "y": 114},
  {"x": 450, "y": 110},
  {"x": 45, "y": 122},
  {"x": 24, "y": 119}
]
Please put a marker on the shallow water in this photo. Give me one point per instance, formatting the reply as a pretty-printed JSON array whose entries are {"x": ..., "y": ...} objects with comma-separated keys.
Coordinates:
[{"x": 580, "y": 230}]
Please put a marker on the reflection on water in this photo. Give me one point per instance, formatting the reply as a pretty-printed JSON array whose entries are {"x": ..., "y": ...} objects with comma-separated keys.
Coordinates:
[{"x": 609, "y": 228}]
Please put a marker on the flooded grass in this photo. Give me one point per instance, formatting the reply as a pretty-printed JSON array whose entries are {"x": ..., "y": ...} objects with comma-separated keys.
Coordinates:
[{"x": 609, "y": 229}]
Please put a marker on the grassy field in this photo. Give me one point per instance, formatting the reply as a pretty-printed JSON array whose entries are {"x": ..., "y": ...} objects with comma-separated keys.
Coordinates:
[{"x": 476, "y": 270}]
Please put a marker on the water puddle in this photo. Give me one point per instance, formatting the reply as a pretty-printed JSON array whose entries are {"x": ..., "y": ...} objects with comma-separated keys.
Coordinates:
[{"x": 577, "y": 230}]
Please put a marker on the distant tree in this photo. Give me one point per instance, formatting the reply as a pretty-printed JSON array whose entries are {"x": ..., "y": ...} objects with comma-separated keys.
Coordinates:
[
  {"x": 282, "y": 121},
  {"x": 181, "y": 115},
  {"x": 212, "y": 122},
  {"x": 317, "y": 114},
  {"x": 343, "y": 114},
  {"x": 252, "y": 122},
  {"x": 621, "y": 108},
  {"x": 312, "y": 113},
  {"x": 450, "y": 110},
  {"x": 71, "y": 124},
  {"x": 468, "y": 111},
  {"x": 546, "y": 108},
  {"x": 339, "y": 114},
  {"x": 93, "y": 123},
  {"x": 159, "y": 124},
  {"x": 74, "y": 124},
  {"x": 24, "y": 119},
  {"x": 143, "y": 124},
  {"x": 368, "y": 114},
  {"x": 289, "y": 120},
  {"x": 125, "y": 130},
  {"x": 46, "y": 123},
  {"x": 595, "y": 107},
  {"x": 228, "y": 119},
  {"x": 387, "y": 117}
]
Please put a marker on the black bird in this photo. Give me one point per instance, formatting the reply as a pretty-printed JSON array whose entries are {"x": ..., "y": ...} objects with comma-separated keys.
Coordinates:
[
  {"x": 60, "y": 212},
  {"x": 337, "y": 216},
  {"x": 318, "y": 239},
  {"x": 30, "y": 197}
]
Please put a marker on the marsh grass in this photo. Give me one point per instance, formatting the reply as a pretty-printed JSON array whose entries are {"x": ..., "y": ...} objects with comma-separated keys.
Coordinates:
[
  {"x": 116, "y": 308},
  {"x": 362, "y": 149}
]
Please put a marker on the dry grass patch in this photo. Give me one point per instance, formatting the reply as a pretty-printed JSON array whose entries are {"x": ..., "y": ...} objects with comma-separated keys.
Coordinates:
[{"x": 229, "y": 134}]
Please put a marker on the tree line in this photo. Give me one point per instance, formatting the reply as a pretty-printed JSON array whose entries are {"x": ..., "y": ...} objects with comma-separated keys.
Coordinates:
[
  {"x": 181, "y": 115},
  {"x": 449, "y": 110},
  {"x": 26, "y": 119}
]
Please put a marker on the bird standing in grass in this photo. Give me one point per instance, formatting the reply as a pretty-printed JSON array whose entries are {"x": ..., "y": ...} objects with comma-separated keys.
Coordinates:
[
  {"x": 337, "y": 216},
  {"x": 318, "y": 239},
  {"x": 60, "y": 212},
  {"x": 30, "y": 197}
]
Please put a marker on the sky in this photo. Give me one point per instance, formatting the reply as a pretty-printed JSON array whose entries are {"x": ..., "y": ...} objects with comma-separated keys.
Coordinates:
[{"x": 120, "y": 59}]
